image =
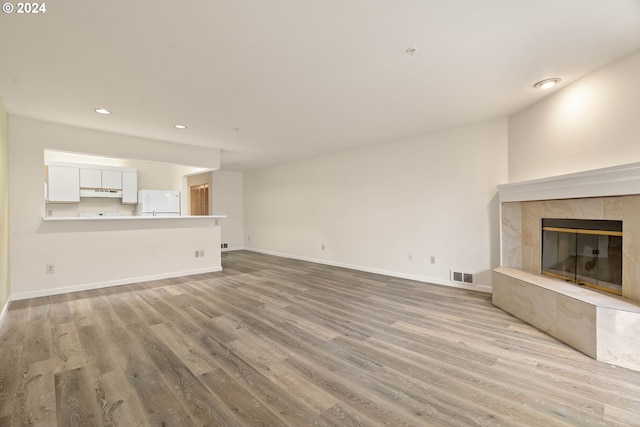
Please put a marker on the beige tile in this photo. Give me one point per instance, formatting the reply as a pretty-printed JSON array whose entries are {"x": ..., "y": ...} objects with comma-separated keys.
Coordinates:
[
  {"x": 612, "y": 208},
  {"x": 592, "y": 208},
  {"x": 619, "y": 338},
  {"x": 531, "y": 259},
  {"x": 531, "y": 235},
  {"x": 576, "y": 324},
  {"x": 631, "y": 247},
  {"x": 531, "y": 215},
  {"x": 511, "y": 235},
  {"x": 530, "y": 303}
]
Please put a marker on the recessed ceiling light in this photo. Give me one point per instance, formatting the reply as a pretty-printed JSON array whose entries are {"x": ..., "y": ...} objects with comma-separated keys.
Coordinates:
[
  {"x": 179, "y": 126},
  {"x": 103, "y": 111},
  {"x": 547, "y": 83}
]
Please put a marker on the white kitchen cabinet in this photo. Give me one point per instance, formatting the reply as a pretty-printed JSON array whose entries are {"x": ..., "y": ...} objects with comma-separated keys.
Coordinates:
[
  {"x": 63, "y": 184},
  {"x": 111, "y": 179},
  {"x": 90, "y": 178},
  {"x": 129, "y": 187}
]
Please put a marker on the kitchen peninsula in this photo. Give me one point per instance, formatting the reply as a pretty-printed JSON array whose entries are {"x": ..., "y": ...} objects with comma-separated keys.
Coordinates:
[{"x": 81, "y": 253}]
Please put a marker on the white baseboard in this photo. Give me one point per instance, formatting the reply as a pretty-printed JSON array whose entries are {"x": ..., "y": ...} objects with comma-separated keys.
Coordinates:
[
  {"x": 482, "y": 288},
  {"x": 99, "y": 285},
  {"x": 400, "y": 275}
]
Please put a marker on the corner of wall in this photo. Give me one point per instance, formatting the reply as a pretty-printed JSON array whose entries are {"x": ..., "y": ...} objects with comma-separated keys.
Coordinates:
[
  {"x": 227, "y": 198},
  {"x": 4, "y": 211}
]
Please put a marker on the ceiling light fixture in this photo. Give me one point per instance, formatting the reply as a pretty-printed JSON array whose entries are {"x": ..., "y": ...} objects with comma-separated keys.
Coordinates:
[
  {"x": 102, "y": 111},
  {"x": 179, "y": 126},
  {"x": 547, "y": 83}
]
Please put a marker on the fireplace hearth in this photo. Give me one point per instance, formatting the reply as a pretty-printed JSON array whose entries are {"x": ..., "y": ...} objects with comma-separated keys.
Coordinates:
[{"x": 585, "y": 252}]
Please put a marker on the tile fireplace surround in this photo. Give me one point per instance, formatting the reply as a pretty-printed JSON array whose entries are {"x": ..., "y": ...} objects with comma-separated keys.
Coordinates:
[{"x": 603, "y": 326}]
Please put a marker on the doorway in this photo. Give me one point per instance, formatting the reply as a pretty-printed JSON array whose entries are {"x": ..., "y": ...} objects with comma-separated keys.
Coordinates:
[{"x": 199, "y": 199}]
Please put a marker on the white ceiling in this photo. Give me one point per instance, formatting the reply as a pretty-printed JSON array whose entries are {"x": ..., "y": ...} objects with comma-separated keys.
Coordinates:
[{"x": 274, "y": 81}]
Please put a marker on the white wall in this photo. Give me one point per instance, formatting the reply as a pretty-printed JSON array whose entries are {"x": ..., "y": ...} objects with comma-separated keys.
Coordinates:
[
  {"x": 590, "y": 124},
  {"x": 97, "y": 253},
  {"x": 227, "y": 198},
  {"x": 4, "y": 209},
  {"x": 433, "y": 195}
]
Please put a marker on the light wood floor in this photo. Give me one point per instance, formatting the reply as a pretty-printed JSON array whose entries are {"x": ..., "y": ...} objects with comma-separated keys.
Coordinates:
[{"x": 271, "y": 342}]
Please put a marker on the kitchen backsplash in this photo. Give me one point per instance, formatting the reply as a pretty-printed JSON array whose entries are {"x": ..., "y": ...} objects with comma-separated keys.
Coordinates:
[{"x": 89, "y": 206}]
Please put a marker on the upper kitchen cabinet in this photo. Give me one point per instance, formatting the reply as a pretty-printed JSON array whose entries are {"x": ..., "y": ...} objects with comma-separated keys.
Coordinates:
[
  {"x": 129, "y": 187},
  {"x": 63, "y": 184},
  {"x": 111, "y": 179},
  {"x": 71, "y": 182},
  {"x": 90, "y": 178}
]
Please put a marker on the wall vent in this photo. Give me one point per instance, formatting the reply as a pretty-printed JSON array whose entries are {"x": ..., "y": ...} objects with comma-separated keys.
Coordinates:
[
  {"x": 224, "y": 245},
  {"x": 462, "y": 277}
]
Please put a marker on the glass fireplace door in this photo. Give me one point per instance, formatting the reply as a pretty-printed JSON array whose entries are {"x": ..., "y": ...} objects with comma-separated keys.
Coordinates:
[
  {"x": 558, "y": 254},
  {"x": 587, "y": 253},
  {"x": 583, "y": 256}
]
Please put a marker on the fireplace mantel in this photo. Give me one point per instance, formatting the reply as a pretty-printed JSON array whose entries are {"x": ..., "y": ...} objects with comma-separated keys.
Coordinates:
[{"x": 613, "y": 181}]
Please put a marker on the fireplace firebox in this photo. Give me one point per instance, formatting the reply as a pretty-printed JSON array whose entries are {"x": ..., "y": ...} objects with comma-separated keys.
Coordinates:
[{"x": 586, "y": 252}]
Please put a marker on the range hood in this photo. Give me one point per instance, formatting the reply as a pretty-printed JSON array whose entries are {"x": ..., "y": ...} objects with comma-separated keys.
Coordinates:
[{"x": 113, "y": 194}]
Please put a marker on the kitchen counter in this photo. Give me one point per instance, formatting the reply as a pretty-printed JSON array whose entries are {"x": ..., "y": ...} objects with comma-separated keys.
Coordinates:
[{"x": 128, "y": 218}]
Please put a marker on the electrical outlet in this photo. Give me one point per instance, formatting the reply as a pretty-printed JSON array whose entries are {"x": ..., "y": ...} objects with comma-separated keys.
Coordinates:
[
  {"x": 197, "y": 254},
  {"x": 201, "y": 252},
  {"x": 433, "y": 259},
  {"x": 50, "y": 268},
  {"x": 323, "y": 247}
]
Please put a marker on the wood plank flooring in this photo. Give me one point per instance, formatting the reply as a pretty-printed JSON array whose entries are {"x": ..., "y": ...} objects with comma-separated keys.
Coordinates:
[{"x": 277, "y": 342}]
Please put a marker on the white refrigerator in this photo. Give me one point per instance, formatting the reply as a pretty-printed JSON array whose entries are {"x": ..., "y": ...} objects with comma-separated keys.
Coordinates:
[{"x": 158, "y": 203}]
